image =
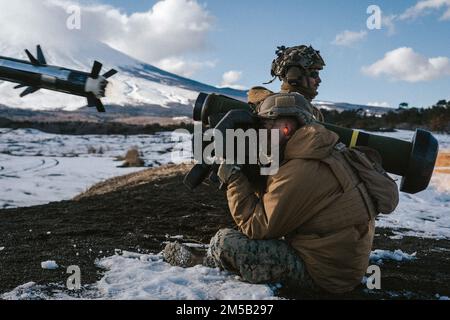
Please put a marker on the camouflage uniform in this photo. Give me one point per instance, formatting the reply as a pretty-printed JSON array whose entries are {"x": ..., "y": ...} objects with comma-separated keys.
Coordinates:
[{"x": 258, "y": 261}]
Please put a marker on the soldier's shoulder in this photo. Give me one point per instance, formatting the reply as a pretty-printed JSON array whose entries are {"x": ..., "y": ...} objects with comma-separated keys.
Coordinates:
[{"x": 258, "y": 94}]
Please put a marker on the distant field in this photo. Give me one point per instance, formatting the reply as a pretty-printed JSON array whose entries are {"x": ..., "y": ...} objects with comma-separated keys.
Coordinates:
[
  {"x": 443, "y": 162},
  {"x": 443, "y": 159}
]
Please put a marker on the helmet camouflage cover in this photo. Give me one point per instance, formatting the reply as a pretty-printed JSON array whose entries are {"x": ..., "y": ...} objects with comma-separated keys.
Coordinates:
[{"x": 299, "y": 56}]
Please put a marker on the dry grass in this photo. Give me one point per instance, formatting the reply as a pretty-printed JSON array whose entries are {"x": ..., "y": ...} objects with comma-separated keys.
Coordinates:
[
  {"x": 134, "y": 179},
  {"x": 443, "y": 162},
  {"x": 133, "y": 159},
  {"x": 443, "y": 159}
]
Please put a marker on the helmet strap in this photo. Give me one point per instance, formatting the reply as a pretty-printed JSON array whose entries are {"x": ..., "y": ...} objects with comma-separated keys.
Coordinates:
[{"x": 274, "y": 78}]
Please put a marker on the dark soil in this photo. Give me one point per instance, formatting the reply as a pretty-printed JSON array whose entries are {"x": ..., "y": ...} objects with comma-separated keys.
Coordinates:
[{"x": 139, "y": 211}]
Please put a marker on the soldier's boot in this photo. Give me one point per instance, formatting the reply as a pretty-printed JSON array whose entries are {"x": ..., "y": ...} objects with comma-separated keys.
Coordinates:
[{"x": 181, "y": 255}]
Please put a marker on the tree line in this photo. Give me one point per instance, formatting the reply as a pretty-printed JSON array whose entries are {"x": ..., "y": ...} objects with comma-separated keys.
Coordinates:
[{"x": 435, "y": 118}]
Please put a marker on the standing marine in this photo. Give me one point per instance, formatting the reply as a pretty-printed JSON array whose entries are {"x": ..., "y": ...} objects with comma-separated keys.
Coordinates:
[{"x": 298, "y": 70}]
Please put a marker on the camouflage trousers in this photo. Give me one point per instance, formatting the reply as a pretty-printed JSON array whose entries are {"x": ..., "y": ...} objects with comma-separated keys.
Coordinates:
[{"x": 258, "y": 261}]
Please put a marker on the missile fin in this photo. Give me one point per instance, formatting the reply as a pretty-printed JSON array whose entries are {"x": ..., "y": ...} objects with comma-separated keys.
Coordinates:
[
  {"x": 96, "y": 68},
  {"x": 33, "y": 60},
  {"x": 28, "y": 91},
  {"x": 110, "y": 73},
  {"x": 95, "y": 102},
  {"x": 40, "y": 56}
]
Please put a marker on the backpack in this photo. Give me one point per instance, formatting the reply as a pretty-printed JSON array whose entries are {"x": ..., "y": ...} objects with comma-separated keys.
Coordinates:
[{"x": 366, "y": 163}]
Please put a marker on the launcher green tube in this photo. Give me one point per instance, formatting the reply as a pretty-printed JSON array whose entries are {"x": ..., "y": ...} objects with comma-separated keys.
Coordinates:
[{"x": 414, "y": 161}]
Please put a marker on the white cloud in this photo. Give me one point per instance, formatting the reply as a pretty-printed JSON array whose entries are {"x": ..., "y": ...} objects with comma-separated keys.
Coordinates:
[
  {"x": 388, "y": 22},
  {"x": 424, "y": 7},
  {"x": 347, "y": 38},
  {"x": 171, "y": 29},
  {"x": 230, "y": 80},
  {"x": 379, "y": 104},
  {"x": 406, "y": 65},
  {"x": 446, "y": 15},
  {"x": 183, "y": 67}
]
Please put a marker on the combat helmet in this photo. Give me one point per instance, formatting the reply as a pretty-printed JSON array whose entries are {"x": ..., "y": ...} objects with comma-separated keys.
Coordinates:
[
  {"x": 286, "y": 105},
  {"x": 294, "y": 65},
  {"x": 303, "y": 57}
]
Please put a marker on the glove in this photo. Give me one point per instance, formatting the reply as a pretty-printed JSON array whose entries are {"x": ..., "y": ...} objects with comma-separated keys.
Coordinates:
[{"x": 227, "y": 171}]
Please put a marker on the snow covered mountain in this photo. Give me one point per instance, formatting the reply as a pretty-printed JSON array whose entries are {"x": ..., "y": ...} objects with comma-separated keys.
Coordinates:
[
  {"x": 138, "y": 84},
  {"x": 343, "y": 106}
]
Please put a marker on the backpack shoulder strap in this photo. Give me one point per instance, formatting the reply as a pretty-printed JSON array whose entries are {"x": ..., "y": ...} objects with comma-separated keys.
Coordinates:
[
  {"x": 338, "y": 162},
  {"x": 341, "y": 169}
]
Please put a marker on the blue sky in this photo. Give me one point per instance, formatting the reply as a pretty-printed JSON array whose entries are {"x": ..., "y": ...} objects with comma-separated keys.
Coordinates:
[{"x": 244, "y": 36}]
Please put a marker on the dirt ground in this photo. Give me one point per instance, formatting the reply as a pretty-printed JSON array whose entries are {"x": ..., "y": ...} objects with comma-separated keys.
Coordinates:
[{"x": 139, "y": 211}]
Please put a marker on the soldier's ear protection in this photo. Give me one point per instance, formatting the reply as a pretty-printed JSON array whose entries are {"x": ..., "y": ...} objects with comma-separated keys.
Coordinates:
[
  {"x": 297, "y": 77},
  {"x": 294, "y": 76}
]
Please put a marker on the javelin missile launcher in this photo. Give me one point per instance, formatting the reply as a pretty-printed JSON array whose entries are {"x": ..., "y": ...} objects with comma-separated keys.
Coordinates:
[
  {"x": 36, "y": 74},
  {"x": 414, "y": 160}
]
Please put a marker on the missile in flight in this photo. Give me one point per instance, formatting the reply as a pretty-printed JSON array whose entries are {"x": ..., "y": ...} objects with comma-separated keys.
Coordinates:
[{"x": 35, "y": 74}]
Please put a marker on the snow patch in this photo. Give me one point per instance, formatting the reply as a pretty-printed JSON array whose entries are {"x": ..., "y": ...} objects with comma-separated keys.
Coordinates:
[
  {"x": 19, "y": 293},
  {"x": 49, "y": 265},
  {"x": 38, "y": 168},
  {"x": 135, "y": 276},
  {"x": 396, "y": 237},
  {"x": 147, "y": 276},
  {"x": 33, "y": 291},
  {"x": 176, "y": 237},
  {"x": 424, "y": 214},
  {"x": 182, "y": 119},
  {"x": 377, "y": 256}
]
